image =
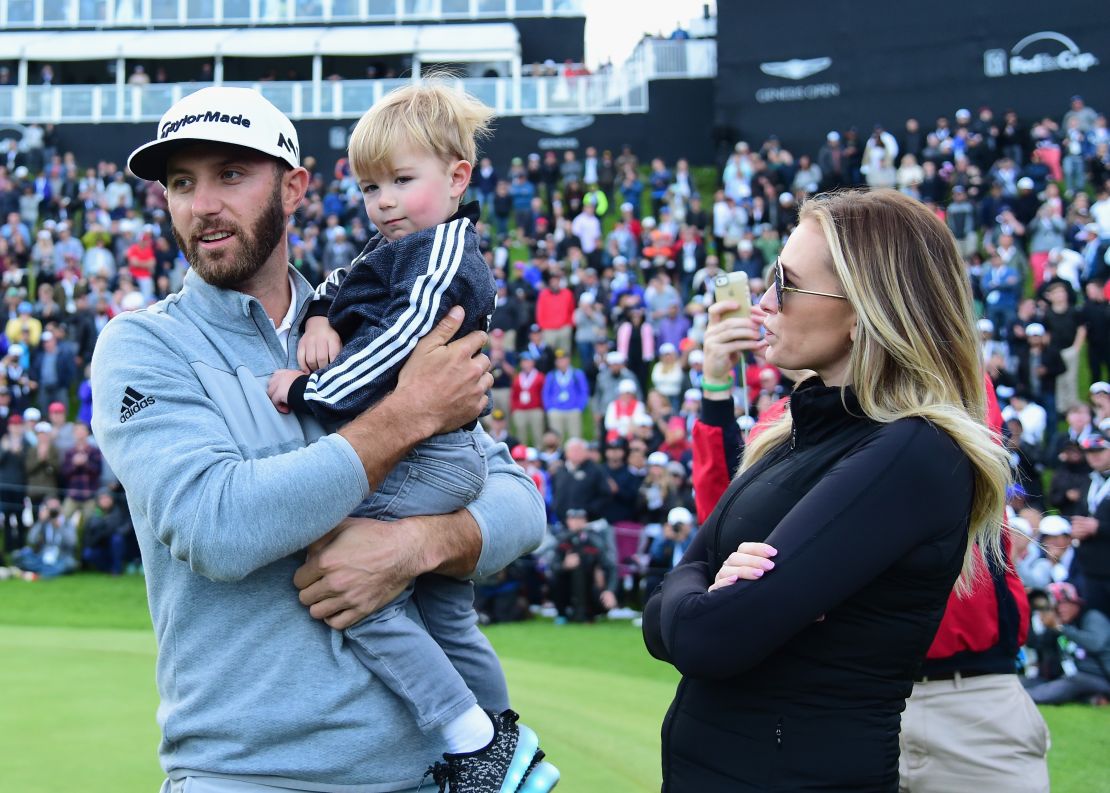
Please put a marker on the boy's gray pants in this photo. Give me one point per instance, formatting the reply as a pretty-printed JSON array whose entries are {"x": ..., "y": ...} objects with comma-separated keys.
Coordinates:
[{"x": 442, "y": 668}]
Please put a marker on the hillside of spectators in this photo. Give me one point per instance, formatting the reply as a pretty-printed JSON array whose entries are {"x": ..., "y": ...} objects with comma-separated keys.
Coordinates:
[{"x": 604, "y": 265}]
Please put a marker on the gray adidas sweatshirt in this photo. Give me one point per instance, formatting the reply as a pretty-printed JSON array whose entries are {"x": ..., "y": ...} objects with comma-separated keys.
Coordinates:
[{"x": 225, "y": 492}]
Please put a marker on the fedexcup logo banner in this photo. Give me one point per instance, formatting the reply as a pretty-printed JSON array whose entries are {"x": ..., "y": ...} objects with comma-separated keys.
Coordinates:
[{"x": 1038, "y": 53}]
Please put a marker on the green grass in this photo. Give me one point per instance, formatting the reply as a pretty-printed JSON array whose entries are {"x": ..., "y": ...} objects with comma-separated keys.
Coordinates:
[{"x": 77, "y": 697}]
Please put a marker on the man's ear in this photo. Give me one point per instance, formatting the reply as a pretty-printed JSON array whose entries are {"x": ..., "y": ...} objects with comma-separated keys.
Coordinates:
[
  {"x": 460, "y": 177},
  {"x": 294, "y": 185}
]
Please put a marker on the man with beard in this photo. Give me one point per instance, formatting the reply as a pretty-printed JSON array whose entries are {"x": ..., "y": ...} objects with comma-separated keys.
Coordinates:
[{"x": 258, "y": 691}]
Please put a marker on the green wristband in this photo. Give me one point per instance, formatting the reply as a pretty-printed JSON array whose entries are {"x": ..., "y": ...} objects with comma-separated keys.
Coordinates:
[{"x": 716, "y": 387}]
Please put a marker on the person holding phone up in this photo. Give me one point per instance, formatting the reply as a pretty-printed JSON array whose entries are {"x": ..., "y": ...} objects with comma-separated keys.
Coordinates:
[{"x": 804, "y": 606}]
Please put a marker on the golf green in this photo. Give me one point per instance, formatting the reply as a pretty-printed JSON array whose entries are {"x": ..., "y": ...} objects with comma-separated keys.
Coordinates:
[{"x": 77, "y": 697}]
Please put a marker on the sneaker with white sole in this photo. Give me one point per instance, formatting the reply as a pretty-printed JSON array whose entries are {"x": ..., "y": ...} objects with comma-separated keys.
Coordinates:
[{"x": 511, "y": 763}]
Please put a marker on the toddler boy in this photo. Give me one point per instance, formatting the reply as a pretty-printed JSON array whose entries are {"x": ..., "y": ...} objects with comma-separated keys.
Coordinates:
[{"x": 413, "y": 154}]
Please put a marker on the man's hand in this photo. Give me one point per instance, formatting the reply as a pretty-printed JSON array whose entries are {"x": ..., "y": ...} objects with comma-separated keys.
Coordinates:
[
  {"x": 441, "y": 387},
  {"x": 278, "y": 388},
  {"x": 363, "y": 564},
  {"x": 357, "y": 568},
  {"x": 319, "y": 345},
  {"x": 444, "y": 383}
]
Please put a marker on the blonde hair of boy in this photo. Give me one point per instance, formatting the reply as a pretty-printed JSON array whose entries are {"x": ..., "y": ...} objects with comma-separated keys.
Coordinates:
[{"x": 430, "y": 115}]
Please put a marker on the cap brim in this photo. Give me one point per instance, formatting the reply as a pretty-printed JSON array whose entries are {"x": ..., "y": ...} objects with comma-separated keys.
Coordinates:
[{"x": 149, "y": 160}]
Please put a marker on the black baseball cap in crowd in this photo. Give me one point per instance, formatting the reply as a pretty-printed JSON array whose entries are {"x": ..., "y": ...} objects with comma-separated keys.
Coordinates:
[{"x": 236, "y": 116}]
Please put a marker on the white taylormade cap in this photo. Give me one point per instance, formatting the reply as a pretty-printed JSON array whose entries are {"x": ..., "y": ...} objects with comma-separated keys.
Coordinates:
[{"x": 237, "y": 116}]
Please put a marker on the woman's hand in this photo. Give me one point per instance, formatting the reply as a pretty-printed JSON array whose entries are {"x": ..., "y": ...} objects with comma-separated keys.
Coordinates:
[
  {"x": 750, "y": 561},
  {"x": 726, "y": 339}
]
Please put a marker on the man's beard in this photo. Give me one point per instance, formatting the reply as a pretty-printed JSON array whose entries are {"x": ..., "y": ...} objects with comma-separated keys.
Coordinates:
[{"x": 220, "y": 268}]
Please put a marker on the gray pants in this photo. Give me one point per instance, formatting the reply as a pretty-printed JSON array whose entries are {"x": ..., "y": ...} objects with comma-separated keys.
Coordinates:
[
  {"x": 215, "y": 784},
  {"x": 443, "y": 667},
  {"x": 1070, "y": 689}
]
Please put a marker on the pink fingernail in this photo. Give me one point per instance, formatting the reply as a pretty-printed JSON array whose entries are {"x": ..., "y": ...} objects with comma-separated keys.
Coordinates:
[
  {"x": 768, "y": 564},
  {"x": 758, "y": 572},
  {"x": 771, "y": 551},
  {"x": 732, "y": 579}
]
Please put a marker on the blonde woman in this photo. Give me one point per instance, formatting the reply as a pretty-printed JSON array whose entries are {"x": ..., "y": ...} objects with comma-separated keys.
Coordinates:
[{"x": 803, "y": 608}]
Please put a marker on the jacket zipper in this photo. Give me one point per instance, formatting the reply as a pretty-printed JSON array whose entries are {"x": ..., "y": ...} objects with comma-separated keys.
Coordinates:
[{"x": 778, "y": 735}]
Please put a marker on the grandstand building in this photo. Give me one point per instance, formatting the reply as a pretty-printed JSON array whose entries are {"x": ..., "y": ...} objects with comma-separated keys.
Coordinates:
[{"x": 102, "y": 71}]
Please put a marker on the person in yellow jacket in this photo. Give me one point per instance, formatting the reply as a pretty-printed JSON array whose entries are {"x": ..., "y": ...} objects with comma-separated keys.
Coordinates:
[{"x": 22, "y": 323}]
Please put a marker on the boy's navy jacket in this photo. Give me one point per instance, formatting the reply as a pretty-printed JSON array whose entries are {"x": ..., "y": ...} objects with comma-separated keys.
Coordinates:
[{"x": 392, "y": 295}]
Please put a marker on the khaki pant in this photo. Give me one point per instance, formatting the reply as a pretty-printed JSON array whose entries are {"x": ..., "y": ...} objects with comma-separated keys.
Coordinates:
[
  {"x": 568, "y": 423},
  {"x": 499, "y": 398},
  {"x": 528, "y": 424},
  {"x": 559, "y": 339},
  {"x": 981, "y": 734}
]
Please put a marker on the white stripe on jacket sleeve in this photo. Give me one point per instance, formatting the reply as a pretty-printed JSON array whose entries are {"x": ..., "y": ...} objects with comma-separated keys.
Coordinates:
[{"x": 397, "y": 342}]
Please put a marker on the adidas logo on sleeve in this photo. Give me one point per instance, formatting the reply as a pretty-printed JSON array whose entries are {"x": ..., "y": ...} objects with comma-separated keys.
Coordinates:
[{"x": 133, "y": 402}]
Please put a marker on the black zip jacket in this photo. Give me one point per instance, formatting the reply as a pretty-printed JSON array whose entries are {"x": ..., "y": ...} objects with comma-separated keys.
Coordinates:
[
  {"x": 795, "y": 682},
  {"x": 393, "y": 294}
]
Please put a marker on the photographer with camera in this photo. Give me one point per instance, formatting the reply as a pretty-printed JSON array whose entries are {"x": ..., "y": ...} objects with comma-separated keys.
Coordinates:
[
  {"x": 583, "y": 570},
  {"x": 1086, "y": 664},
  {"x": 668, "y": 545},
  {"x": 51, "y": 548}
]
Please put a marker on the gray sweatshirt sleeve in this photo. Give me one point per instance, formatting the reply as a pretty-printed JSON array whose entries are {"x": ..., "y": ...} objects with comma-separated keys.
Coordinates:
[
  {"x": 186, "y": 477},
  {"x": 509, "y": 511}
]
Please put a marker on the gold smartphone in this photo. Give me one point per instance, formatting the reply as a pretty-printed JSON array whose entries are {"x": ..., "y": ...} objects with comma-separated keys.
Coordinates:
[{"x": 733, "y": 286}]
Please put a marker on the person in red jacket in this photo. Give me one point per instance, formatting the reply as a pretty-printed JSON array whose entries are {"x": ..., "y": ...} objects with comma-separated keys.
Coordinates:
[
  {"x": 141, "y": 259},
  {"x": 526, "y": 401},
  {"x": 969, "y": 724},
  {"x": 555, "y": 313}
]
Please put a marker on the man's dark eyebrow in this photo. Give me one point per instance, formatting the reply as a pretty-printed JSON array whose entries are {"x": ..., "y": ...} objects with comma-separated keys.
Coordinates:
[{"x": 239, "y": 161}]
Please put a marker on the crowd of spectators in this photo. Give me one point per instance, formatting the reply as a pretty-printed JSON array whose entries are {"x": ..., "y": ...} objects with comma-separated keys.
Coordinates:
[{"x": 604, "y": 269}]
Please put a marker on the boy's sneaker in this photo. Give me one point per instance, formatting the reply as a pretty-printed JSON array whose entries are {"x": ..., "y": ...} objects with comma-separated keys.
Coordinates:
[{"x": 511, "y": 763}]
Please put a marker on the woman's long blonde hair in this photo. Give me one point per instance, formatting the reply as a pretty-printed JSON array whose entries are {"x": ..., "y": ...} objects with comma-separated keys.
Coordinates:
[{"x": 916, "y": 349}]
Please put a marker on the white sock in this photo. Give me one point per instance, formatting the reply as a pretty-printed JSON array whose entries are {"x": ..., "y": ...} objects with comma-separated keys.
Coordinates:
[{"x": 470, "y": 732}]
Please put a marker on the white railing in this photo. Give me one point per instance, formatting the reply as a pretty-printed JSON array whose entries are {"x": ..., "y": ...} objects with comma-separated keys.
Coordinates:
[
  {"x": 619, "y": 91},
  {"x": 38, "y": 14},
  {"x": 676, "y": 58}
]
